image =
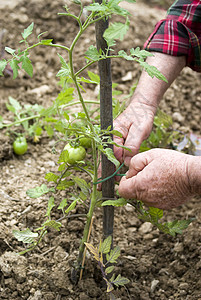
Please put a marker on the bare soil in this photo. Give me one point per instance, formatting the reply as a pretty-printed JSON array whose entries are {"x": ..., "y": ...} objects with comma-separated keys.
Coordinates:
[{"x": 158, "y": 266}]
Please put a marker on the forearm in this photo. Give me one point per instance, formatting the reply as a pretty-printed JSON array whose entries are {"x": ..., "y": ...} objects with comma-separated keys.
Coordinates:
[
  {"x": 194, "y": 174},
  {"x": 149, "y": 90}
]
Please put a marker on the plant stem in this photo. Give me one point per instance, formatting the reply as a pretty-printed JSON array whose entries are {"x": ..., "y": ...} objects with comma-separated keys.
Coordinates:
[
  {"x": 21, "y": 121},
  {"x": 76, "y": 270}
]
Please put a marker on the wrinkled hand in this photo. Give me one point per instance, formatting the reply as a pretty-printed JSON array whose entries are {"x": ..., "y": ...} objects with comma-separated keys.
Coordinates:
[
  {"x": 159, "y": 178},
  {"x": 135, "y": 125}
]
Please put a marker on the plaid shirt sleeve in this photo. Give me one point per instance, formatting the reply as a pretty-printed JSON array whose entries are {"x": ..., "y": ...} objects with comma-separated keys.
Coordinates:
[{"x": 179, "y": 33}]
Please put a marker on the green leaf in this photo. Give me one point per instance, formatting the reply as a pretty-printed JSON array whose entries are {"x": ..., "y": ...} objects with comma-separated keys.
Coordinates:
[
  {"x": 14, "y": 65},
  {"x": 63, "y": 157},
  {"x": 120, "y": 281},
  {"x": 162, "y": 119},
  {"x": 62, "y": 204},
  {"x": 64, "y": 184},
  {"x": 96, "y": 7},
  {"x": 124, "y": 55},
  {"x": 152, "y": 71},
  {"x": 109, "y": 269},
  {"x": 82, "y": 79},
  {"x": 140, "y": 53},
  {"x": 113, "y": 255},
  {"x": 65, "y": 70},
  {"x": 28, "y": 31},
  {"x": 110, "y": 155},
  {"x": 92, "y": 53},
  {"x": 117, "y": 133},
  {"x": 3, "y": 64},
  {"x": 155, "y": 213},
  {"x": 46, "y": 42},
  {"x": 50, "y": 206},
  {"x": 117, "y": 203},
  {"x": 26, "y": 236},
  {"x": 39, "y": 191},
  {"x": 82, "y": 185},
  {"x": 106, "y": 245},
  {"x": 94, "y": 77},
  {"x": 27, "y": 65},
  {"x": 53, "y": 224},
  {"x": 51, "y": 177},
  {"x": 178, "y": 226},
  {"x": 15, "y": 104},
  {"x": 62, "y": 167},
  {"x": 71, "y": 206},
  {"x": 9, "y": 50},
  {"x": 115, "y": 31}
]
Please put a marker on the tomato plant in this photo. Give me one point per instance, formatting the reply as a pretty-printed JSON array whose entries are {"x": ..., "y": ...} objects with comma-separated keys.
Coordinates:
[
  {"x": 27, "y": 116},
  {"x": 20, "y": 145}
]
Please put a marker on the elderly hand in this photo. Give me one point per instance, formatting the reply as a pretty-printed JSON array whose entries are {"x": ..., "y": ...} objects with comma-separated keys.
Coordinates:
[
  {"x": 161, "y": 178},
  {"x": 135, "y": 125}
]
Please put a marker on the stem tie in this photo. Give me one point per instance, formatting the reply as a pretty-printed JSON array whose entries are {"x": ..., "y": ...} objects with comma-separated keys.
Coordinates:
[{"x": 115, "y": 173}]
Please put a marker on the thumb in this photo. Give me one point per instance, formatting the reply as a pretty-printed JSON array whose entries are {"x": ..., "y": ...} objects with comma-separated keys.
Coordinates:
[{"x": 137, "y": 164}]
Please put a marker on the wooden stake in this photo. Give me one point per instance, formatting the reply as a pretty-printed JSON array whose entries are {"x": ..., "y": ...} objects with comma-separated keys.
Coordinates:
[{"x": 106, "y": 120}]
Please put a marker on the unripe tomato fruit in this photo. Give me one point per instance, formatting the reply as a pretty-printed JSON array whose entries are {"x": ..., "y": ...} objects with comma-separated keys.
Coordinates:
[
  {"x": 20, "y": 145},
  {"x": 85, "y": 142},
  {"x": 75, "y": 153}
]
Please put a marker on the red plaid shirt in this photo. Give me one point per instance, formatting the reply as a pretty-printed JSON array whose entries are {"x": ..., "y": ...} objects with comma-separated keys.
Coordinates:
[{"x": 180, "y": 33}]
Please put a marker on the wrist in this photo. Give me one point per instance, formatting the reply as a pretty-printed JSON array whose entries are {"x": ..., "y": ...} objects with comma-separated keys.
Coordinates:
[{"x": 194, "y": 174}]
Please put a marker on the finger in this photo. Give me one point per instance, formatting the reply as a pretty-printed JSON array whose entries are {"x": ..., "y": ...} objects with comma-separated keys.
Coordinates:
[
  {"x": 134, "y": 139},
  {"x": 137, "y": 164},
  {"x": 126, "y": 188}
]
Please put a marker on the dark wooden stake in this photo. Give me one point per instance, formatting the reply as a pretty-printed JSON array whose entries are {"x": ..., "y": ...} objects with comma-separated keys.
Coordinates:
[{"x": 106, "y": 120}]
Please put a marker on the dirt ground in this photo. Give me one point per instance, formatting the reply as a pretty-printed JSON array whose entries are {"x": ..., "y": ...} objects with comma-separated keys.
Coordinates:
[{"x": 158, "y": 266}]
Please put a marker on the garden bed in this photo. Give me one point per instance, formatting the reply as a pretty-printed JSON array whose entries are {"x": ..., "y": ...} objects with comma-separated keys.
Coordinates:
[{"x": 158, "y": 266}]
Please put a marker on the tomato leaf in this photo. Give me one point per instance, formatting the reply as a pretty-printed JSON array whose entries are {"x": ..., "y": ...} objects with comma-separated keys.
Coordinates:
[
  {"x": 117, "y": 203},
  {"x": 92, "y": 53},
  {"x": 120, "y": 280},
  {"x": 51, "y": 177},
  {"x": 50, "y": 206},
  {"x": 27, "y": 65},
  {"x": 110, "y": 155},
  {"x": 15, "y": 105},
  {"x": 109, "y": 269},
  {"x": 115, "y": 31},
  {"x": 64, "y": 184},
  {"x": 26, "y": 236},
  {"x": 46, "y": 42},
  {"x": 39, "y": 191},
  {"x": 152, "y": 70},
  {"x": 113, "y": 255},
  {"x": 82, "y": 185},
  {"x": 9, "y": 50},
  {"x": 106, "y": 245},
  {"x": 28, "y": 31},
  {"x": 71, "y": 206},
  {"x": 52, "y": 223},
  {"x": 3, "y": 64},
  {"x": 62, "y": 204},
  {"x": 65, "y": 70}
]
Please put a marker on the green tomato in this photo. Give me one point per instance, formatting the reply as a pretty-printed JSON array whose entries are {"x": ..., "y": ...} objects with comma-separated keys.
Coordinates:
[
  {"x": 20, "y": 145},
  {"x": 75, "y": 153},
  {"x": 85, "y": 142}
]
